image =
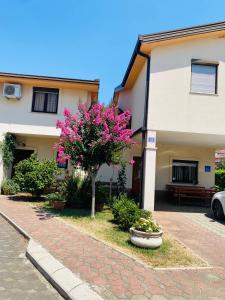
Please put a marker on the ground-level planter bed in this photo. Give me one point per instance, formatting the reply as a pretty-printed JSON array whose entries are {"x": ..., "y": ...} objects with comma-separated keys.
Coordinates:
[
  {"x": 56, "y": 201},
  {"x": 142, "y": 239},
  {"x": 58, "y": 204}
]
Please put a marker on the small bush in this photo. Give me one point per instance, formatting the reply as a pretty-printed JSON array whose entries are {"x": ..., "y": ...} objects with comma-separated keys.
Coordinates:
[
  {"x": 77, "y": 191},
  {"x": 220, "y": 178},
  {"x": 33, "y": 175},
  {"x": 72, "y": 189},
  {"x": 126, "y": 212},
  {"x": 55, "y": 197},
  {"x": 10, "y": 187}
]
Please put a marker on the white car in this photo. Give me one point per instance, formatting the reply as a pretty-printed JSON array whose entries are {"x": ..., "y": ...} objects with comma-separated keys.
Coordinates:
[{"x": 218, "y": 205}]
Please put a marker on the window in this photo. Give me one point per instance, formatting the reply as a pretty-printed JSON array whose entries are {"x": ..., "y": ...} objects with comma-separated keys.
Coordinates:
[
  {"x": 185, "y": 171},
  {"x": 45, "y": 100},
  {"x": 204, "y": 78}
]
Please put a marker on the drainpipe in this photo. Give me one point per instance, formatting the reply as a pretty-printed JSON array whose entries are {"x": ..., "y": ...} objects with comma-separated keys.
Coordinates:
[{"x": 145, "y": 123}]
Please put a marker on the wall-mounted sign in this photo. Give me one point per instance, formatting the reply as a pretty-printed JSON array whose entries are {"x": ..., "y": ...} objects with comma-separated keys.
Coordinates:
[
  {"x": 207, "y": 169},
  {"x": 151, "y": 139}
]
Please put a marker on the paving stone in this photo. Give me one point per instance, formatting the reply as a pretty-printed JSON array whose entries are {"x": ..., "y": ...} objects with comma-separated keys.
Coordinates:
[
  {"x": 139, "y": 297},
  {"x": 178, "y": 298},
  {"x": 157, "y": 297},
  {"x": 110, "y": 273}
]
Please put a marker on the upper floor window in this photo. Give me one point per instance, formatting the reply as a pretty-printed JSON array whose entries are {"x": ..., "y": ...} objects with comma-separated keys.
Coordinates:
[
  {"x": 45, "y": 100},
  {"x": 204, "y": 78}
]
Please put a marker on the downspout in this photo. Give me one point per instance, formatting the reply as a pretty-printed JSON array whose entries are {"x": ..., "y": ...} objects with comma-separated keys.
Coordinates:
[{"x": 145, "y": 123}]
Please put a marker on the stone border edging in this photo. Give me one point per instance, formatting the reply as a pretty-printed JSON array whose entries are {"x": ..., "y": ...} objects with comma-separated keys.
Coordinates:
[{"x": 69, "y": 285}]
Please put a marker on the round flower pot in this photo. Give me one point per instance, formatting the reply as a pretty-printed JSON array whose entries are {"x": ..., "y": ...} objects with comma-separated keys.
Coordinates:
[
  {"x": 58, "y": 204},
  {"x": 143, "y": 239}
]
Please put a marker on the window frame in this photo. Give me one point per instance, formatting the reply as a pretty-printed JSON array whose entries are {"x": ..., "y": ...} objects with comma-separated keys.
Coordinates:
[
  {"x": 200, "y": 62},
  {"x": 46, "y": 91},
  {"x": 185, "y": 161}
]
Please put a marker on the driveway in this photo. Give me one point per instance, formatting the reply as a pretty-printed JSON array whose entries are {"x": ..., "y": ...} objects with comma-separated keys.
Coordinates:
[
  {"x": 206, "y": 220},
  {"x": 116, "y": 276},
  {"x": 200, "y": 215},
  {"x": 19, "y": 280},
  {"x": 196, "y": 228}
]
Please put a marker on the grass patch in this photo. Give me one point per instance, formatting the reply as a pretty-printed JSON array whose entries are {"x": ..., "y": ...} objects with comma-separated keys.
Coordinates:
[{"x": 170, "y": 254}]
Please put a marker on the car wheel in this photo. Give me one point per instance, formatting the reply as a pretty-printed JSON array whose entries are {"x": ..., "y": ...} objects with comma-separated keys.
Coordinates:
[{"x": 218, "y": 210}]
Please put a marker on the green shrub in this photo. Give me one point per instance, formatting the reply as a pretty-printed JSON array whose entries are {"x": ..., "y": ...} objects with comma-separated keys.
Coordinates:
[
  {"x": 10, "y": 187},
  {"x": 126, "y": 212},
  {"x": 77, "y": 191},
  {"x": 55, "y": 197},
  {"x": 220, "y": 179},
  {"x": 7, "y": 148},
  {"x": 72, "y": 190},
  {"x": 33, "y": 175}
]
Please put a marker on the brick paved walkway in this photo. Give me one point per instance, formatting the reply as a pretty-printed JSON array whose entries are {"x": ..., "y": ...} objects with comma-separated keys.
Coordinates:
[
  {"x": 19, "y": 280},
  {"x": 114, "y": 275}
]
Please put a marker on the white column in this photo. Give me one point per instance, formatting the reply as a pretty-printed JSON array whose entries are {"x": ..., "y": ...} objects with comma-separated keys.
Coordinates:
[{"x": 149, "y": 169}]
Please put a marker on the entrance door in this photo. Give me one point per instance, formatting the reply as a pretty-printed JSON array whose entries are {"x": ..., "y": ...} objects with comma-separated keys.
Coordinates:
[
  {"x": 20, "y": 154},
  {"x": 136, "y": 178}
]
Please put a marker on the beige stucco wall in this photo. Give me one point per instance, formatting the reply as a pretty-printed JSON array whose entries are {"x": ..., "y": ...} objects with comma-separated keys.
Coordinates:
[
  {"x": 172, "y": 106},
  {"x": 16, "y": 115},
  {"x": 134, "y": 100},
  {"x": 165, "y": 155},
  {"x": 41, "y": 145},
  {"x": 106, "y": 172}
]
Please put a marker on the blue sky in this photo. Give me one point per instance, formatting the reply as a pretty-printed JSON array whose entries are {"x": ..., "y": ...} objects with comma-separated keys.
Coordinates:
[{"x": 89, "y": 39}]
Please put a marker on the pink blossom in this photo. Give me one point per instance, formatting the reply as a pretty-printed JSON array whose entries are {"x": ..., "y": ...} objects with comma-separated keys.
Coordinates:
[
  {"x": 97, "y": 120},
  {"x": 97, "y": 130},
  {"x": 131, "y": 162}
]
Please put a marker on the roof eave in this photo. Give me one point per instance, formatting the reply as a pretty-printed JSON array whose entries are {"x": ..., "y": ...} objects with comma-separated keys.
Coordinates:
[
  {"x": 50, "y": 78},
  {"x": 182, "y": 32},
  {"x": 168, "y": 35},
  {"x": 131, "y": 62}
]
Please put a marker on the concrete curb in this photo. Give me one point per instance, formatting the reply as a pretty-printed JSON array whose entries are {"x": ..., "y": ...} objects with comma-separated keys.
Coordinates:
[{"x": 69, "y": 285}]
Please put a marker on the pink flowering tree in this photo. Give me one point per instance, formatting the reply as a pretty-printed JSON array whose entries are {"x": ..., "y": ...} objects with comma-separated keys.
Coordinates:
[{"x": 93, "y": 137}]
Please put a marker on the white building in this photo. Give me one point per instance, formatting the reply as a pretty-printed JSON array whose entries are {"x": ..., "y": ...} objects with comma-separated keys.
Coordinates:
[
  {"x": 32, "y": 116},
  {"x": 174, "y": 87}
]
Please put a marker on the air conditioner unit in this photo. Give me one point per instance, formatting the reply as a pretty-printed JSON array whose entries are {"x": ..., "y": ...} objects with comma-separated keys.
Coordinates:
[{"x": 12, "y": 91}]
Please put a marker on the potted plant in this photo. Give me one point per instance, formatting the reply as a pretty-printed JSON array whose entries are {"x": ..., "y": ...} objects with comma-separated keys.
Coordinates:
[
  {"x": 56, "y": 200},
  {"x": 146, "y": 233}
]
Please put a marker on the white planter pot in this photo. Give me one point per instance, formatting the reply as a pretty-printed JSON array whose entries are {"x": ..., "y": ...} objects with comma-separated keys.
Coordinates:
[{"x": 145, "y": 239}]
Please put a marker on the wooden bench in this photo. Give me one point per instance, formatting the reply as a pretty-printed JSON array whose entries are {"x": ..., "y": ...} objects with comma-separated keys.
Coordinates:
[{"x": 190, "y": 192}]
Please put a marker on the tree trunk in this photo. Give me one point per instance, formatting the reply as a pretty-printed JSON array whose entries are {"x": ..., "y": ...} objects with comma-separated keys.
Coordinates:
[{"x": 93, "y": 177}]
